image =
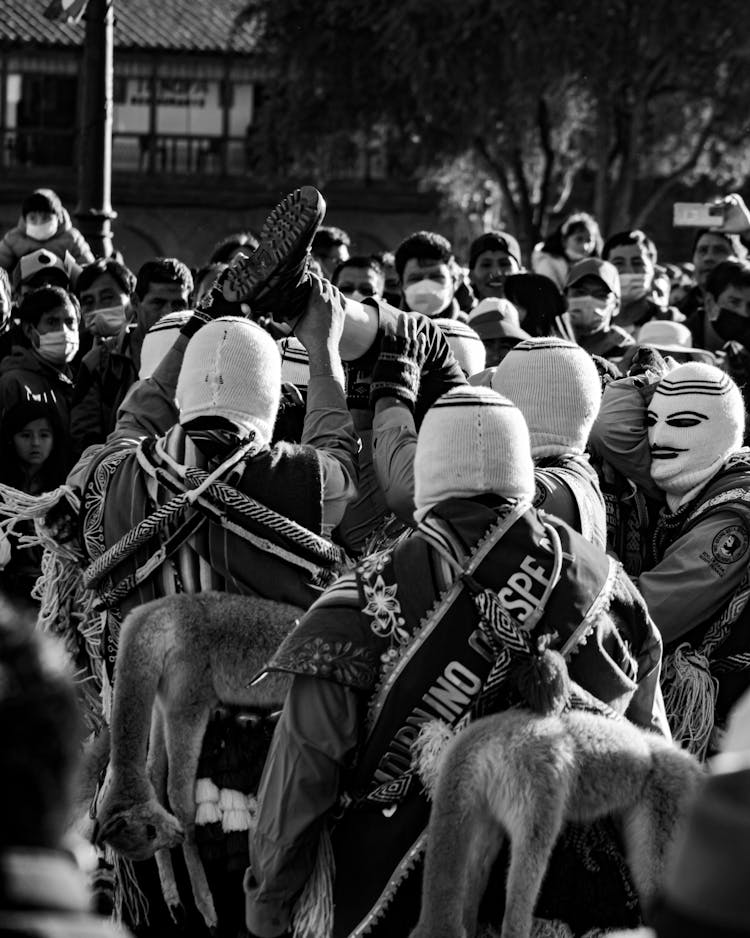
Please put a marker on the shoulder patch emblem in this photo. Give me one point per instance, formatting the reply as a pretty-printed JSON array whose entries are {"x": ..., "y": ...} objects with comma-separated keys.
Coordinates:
[
  {"x": 540, "y": 495},
  {"x": 730, "y": 544}
]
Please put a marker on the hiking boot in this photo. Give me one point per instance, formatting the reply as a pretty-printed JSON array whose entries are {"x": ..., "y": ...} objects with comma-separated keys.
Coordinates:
[{"x": 274, "y": 278}]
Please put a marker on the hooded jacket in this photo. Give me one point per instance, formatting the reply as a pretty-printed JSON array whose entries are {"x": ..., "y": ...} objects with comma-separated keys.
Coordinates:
[
  {"x": 16, "y": 243},
  {"x": 26, "y": 376}
]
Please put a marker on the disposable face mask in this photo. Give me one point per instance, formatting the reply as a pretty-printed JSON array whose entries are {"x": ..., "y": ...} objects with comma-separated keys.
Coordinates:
[
  {"x": 108, "y": 321},
  {"x": 633, "y": 286},
  {"x": 42, "y": 232},
  {"x": 428, "y": 296},
  {"x": 589, "y": 314},
  {"x": 731, "y": 325},
  {"x": 58, "y": 348}
]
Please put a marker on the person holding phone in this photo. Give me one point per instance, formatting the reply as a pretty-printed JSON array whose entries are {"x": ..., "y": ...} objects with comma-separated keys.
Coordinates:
[{"x": 712, "y": 246}]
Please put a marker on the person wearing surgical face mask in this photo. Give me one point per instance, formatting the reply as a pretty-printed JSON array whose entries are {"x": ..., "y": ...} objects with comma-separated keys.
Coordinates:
[
  {"x": 424, "y": 263},
  {"x": 727, "y": 302},
  {"x": 592, "y": 296},
  {"x": 50, "y": 319},
  {"x": 44, "y": 223},
  {"x": 360, "y": 277},
  {"x": 727, "y": 319},
  {"x": 633, "y": 253},
  {"x": 105, "y": 289}
]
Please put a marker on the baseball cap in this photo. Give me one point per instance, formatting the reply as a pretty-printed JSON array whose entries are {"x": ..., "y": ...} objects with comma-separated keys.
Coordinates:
[
  {"x": 496, "y": 318},
  {"x": 45, "y": 267},
  {"x": 494, "y": 241},
  {"x": 595, "y": 267}
]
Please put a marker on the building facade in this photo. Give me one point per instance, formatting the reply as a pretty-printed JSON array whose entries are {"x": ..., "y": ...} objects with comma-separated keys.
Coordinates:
[{"x": 187, "y": 83}]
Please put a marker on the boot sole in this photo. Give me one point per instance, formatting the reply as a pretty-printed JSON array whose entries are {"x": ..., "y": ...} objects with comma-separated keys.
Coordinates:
[{"x": 287, "y": 232}]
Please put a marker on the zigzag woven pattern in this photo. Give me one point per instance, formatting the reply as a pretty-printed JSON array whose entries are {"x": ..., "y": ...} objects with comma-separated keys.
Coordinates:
[
  {"x": 738, "y": 662},
  {"x": 508, "y": 642},
  {"x": 217, "y": 496}
]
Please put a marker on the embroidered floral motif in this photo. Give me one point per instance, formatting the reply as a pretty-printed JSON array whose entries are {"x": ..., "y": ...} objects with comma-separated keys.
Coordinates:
[
  {"x": 343, "y": 662},
  {"x": 383, "y": 607},
  {"x": 374, "y": 563},
  {"x": 94, "y": 500},
  {"x": 385, "y": 610}
]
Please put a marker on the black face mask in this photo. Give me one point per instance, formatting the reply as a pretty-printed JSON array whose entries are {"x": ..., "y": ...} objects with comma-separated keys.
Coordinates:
[{"x": 731, "y": 326}]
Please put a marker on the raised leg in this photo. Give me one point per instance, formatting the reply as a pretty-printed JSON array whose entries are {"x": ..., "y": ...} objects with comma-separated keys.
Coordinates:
[
  {"x": 184, "y": 735},
  {"x": 169, "y": 884},
  {"x": 157, "y": 772}
]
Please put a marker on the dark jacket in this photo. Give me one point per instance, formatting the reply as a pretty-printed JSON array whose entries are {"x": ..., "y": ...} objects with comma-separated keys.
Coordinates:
[
  {"x": 26, "y": 376},
  {"x": 106, "y": 374},
  {"x": 17, "y": 244}
]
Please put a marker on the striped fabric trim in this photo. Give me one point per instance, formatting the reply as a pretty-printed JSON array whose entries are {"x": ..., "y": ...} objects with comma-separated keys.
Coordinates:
[
  {"x": 455, "y": 329},
  {"x": 713, "y": 388},
  {"x": 171, "y": 321},
  {"x": 533, "y": 345},
  {"x": 485, "y": 398}
]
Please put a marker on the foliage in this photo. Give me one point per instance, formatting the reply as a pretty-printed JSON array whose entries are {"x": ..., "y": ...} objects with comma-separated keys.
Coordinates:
[{"x": 520, "y": 99}]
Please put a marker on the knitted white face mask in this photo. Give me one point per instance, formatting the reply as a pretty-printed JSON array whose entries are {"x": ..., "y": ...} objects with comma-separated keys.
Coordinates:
[{"x": 695, "y": 421}]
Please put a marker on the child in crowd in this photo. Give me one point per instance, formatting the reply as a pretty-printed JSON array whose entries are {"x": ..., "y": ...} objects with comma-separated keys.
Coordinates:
[
  {"x": 32, "y": 461},
  {"x": 43, "y": 223},
  {"x": 576, "y": 239}
]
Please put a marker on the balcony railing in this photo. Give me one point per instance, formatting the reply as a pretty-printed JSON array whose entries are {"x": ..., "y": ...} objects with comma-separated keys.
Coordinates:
[
  {"x": 131, "y": 152},
  {"x": 337, "y": 157}
]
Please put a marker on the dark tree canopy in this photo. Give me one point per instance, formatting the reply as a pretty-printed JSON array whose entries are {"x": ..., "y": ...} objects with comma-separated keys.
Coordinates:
[{"x": 638, "y": 94}]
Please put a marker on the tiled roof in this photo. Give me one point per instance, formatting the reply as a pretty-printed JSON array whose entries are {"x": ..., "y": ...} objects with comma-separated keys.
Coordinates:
[{"x": 167, "y": 25}]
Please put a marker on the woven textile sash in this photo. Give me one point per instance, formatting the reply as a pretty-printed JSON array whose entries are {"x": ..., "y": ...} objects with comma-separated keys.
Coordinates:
[{"x": 199, "y": 496}]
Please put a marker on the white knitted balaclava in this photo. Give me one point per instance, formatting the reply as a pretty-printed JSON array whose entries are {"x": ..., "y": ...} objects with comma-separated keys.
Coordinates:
[
  {"x": 555, "y": 385},
  {"x": 232, "y": 369},
  {"x": 695, "y": 420},
  {"x": 468, "y": 349},
  {"x": 471, "y": 441},
  {"x": 159, "y": 340}
]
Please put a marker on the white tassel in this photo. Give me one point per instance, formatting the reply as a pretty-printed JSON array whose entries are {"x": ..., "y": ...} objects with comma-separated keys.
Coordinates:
[
  {"x": 234, "y": 813},
  {"x": 206, "y": 791},
  {"x": 232, "y": 800},
  {"x": 312, "y": 916},
  {"x": 207, "y": 813},
  {"x": 235, "y": 821},
  {"x": 690, "y": 699},
  {"x": 428, "y": 751}
]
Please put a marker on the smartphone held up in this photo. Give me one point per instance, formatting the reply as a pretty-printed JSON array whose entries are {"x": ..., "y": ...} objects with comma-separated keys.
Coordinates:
[{"x": 699, "y": 214}]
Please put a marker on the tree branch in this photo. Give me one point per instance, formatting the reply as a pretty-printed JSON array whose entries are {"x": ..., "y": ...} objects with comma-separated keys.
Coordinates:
[
  {"x": 674, "y": 177},
  {"x": 545, "y": 141},
  {"x": 501, "y": 175}
]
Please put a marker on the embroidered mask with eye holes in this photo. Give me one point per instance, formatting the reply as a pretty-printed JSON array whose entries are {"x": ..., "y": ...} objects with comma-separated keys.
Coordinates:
[{"x": 695, "y": 420}]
